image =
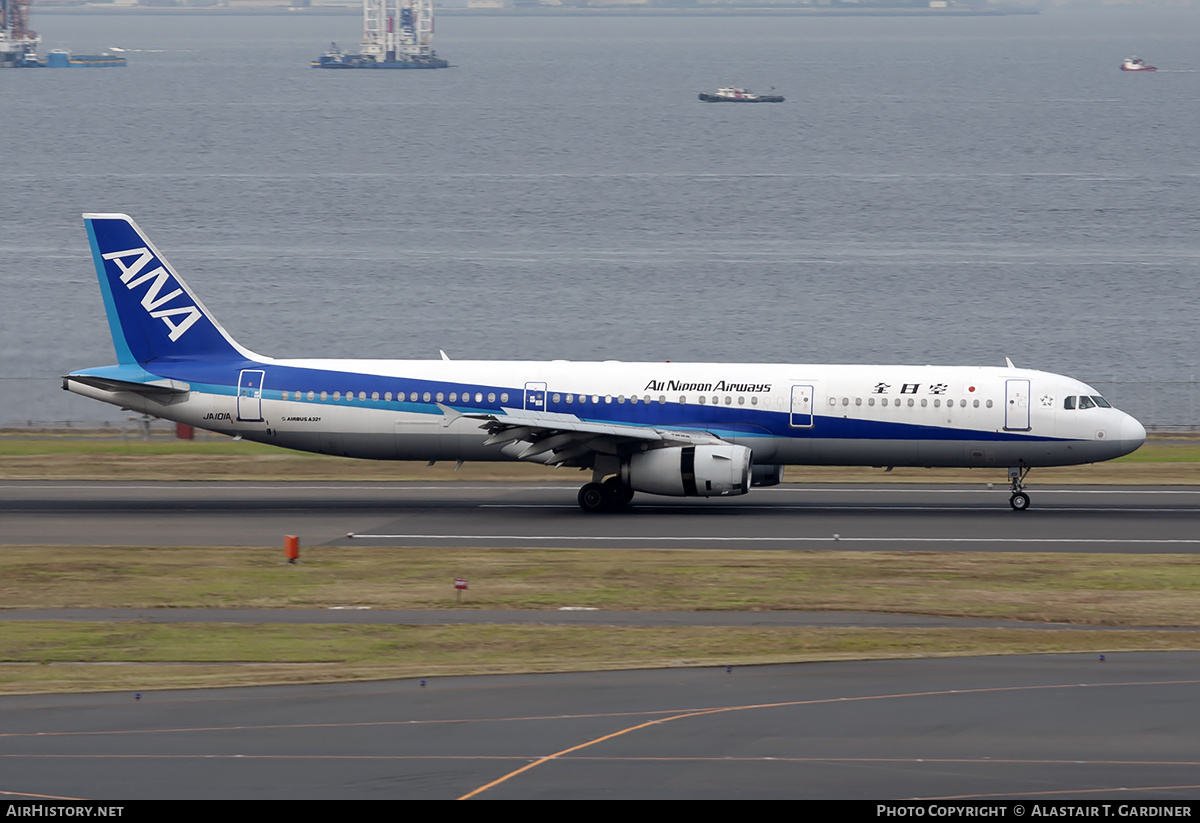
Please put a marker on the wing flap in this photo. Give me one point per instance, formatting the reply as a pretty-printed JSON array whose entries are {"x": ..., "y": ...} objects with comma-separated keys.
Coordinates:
[{"x": 558, "y": 439}]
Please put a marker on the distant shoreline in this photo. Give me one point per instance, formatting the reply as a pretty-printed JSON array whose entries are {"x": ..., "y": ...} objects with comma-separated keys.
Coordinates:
[{"x": 543, "y": 11}]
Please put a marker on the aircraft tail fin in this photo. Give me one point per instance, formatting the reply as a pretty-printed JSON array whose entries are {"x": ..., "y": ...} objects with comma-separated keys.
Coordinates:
[{"x": 152, "y": 313}]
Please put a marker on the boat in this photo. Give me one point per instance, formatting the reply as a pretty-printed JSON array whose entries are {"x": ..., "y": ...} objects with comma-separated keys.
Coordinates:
[
  {"x": 1135, "y": 64},
  {"x": 336, "y": 59},
  {"x": 397, "y": 34},
  {"x": 732, "y": 94},
  {"x": 96, "y": 61}
]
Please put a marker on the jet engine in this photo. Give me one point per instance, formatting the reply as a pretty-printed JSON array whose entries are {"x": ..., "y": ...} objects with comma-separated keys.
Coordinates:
[{"x": 690, "y": 471}]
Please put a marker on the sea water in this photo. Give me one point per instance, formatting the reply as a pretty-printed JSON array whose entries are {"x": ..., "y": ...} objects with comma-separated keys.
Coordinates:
[{"x": 949, "y": 191}]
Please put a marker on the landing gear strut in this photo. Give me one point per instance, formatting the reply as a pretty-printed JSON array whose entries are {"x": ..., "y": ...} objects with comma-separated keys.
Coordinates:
[
  {"x": 1019, "y": 500},
  {"x": 607, "y": 496}
]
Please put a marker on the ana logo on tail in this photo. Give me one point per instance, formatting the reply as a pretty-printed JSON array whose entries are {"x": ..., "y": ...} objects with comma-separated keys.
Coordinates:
[{"x": 153, "y": 299}]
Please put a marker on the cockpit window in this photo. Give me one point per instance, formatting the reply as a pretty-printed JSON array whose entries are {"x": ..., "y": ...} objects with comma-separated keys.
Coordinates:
[
  {"x": 1086, "y": 402},
  {"x": 1069, "y": 402},
  {"x": 1101, "y": 402}
]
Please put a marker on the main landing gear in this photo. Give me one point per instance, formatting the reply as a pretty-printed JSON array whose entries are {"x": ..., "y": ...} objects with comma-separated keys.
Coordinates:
[
  {"x": 1019, "y": 500},
  {"x": 607, "y": 496}
]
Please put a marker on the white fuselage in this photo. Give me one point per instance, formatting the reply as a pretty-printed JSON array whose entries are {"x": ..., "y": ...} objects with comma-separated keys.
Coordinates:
[{"x": 786, "y": 414}]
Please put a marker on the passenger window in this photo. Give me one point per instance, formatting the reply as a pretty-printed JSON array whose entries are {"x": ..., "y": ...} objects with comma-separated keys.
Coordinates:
[
  {"x": 491, "y": 397},
  {"x": 311, "y": 396},
  {"x": 478, "y": 397},
  {"x": 621, "y": 399},
  {"x": 742, "y": 400},
  {"x": 362, "y": 395},
  {"x": 754, "y": 400},
  {"x": 453, "y": 397},
  {"x": 1069, "y": 402},
  {"x": 683, "y": 399},
  {"x": 662, "y": 398},
  {"x": 703, "y": 399},
  {"x": 989, "y": 404},
  {"x": 924, "y": 402},
  {"x": 556, "y": 398},
  {"x": 388, "y": 396},
  {"x": 504, "y": 397},
  {"x": 440, "y": 397},
  {"x": 570, "y": 399},
  {"x": 910, "y": 401},
  {"x": 858, "y": 401},
  {"x": 1085, "y": 402}
]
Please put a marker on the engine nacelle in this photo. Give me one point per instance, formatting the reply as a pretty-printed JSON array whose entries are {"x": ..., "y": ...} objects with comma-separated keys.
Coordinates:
[
  {"x": 690, "y": 471},
  {"x": 766, "y": 475}
]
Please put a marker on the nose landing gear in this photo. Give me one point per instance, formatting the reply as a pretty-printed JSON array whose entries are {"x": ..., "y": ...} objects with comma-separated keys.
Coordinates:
[{"x": 1019, "y": 499}]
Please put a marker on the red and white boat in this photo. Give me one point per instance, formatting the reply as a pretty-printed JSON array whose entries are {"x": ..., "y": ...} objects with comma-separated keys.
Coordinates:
[
  {"x": 732, "y": 94},
  {"x": 1136, "y": 64}
]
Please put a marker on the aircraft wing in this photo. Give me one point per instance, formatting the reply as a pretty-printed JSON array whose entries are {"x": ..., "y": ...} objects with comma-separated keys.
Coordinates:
[{"x": 558, "y": 439}]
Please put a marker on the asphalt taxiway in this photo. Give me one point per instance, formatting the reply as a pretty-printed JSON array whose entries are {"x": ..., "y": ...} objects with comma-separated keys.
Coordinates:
[
  {"x": 846, "y": 517},
  {"x": 1045, "y": 727}
]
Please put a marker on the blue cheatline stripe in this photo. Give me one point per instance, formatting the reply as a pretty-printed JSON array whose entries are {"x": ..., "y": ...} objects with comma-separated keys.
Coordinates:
[{"x": 220, "y": 379}]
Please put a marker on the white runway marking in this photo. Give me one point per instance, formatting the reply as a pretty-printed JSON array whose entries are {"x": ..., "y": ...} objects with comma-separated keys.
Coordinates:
[
  {"x": 829, "y": 539},
  {"x": 837, "y": 508}
]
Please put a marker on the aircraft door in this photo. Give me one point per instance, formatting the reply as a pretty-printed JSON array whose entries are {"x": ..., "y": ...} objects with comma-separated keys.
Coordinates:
[
  {"x": 535, "y": 397},
  {"x": 1016, "y": 405},
  {"x": 249, "y": 402},
  {"x": 802, "y": 407}
]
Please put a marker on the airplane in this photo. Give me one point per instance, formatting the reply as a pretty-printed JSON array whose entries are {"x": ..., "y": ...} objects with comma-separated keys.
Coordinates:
[{"x": 675, "y": 429}]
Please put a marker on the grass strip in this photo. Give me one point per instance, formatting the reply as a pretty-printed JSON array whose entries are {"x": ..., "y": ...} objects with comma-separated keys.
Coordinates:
[
  {"x": 1077, "y": 588},
  {"x": 56, "y": 657},
  {"x": 56, "y": 458}
]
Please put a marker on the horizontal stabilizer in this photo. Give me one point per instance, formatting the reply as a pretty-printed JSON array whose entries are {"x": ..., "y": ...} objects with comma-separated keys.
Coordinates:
[{"x": 157, "y": 389}]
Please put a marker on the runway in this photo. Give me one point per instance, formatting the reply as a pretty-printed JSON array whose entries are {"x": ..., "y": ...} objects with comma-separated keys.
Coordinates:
[
  {"x": 828, "y": 516},
  {"x": 1047, "y": 728}
]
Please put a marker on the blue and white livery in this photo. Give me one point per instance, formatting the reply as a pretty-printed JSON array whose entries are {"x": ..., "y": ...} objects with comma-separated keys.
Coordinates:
[{"x": 683, "y": 429}]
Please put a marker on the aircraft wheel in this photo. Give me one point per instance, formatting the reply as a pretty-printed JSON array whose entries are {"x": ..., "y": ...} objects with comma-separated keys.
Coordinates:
[
  {"x": 1019, "y": 501},
  {"x": 618, "y": 493},
  {"x": 592, "y": 498}
]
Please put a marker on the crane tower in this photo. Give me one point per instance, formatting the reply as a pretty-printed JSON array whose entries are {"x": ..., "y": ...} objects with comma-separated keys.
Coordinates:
[
  {"x": 397, "y": 34},
  {"x": 18, "y": 42}
]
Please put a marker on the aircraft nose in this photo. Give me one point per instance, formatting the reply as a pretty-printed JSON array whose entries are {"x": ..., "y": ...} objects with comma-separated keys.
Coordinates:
[{"x": 1133, "y": 433}]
